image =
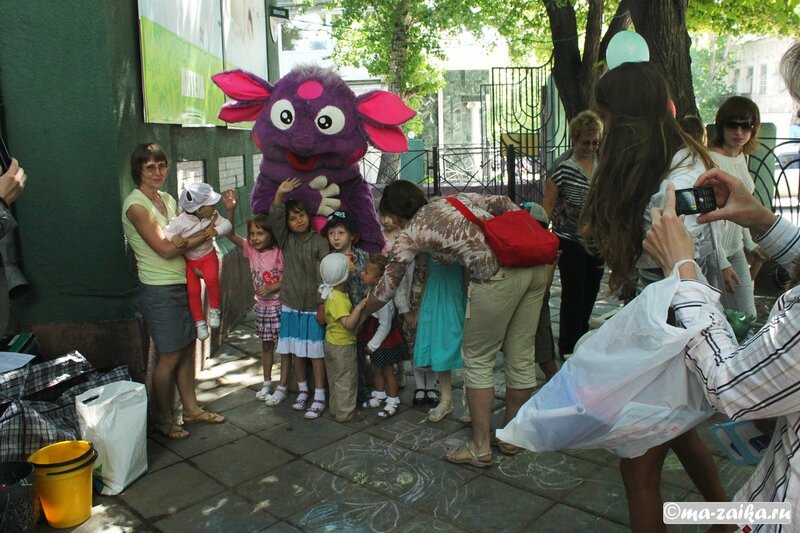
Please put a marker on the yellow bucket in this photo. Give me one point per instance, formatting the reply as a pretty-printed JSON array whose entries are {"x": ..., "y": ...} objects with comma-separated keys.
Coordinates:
[{"x": 63, "y": 481}]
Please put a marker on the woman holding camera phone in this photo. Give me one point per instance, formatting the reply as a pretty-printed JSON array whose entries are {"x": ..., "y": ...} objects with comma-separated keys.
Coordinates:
[
  {"x": 735, "y": 136},
  {"x": 644, "y": 150},
  {"x": 760, "y": 378}
]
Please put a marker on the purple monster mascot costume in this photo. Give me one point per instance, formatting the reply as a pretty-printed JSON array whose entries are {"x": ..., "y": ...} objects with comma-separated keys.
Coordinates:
[{"x": 311, "y": 126}]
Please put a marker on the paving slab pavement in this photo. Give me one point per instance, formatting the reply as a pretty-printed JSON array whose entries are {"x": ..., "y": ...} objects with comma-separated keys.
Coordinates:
[{"x": 268, "y": 469}]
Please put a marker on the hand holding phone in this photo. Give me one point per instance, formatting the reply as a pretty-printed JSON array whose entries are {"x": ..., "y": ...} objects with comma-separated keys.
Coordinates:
[{"x": 695, "y": 200}]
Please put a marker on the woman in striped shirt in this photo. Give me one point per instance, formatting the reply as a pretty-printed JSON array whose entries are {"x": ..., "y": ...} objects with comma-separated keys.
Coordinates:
[{"x": 580, "y": 270}]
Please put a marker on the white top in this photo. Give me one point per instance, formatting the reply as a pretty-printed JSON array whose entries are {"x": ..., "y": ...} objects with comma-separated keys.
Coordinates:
[
  {"x": 733, "y": 238},
  {"x": 760, "y": 378},
  {"x": 384, "y": 315},
  {"x": 187, "y": 225},
  {"x": 684, "y": 171}
]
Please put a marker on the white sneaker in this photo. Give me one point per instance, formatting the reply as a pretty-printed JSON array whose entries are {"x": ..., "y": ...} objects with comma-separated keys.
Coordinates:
[
  {"x": 214, "y": 318},
  {"x": 265, "y": 391},
  {"x": 202, "y": 330}
]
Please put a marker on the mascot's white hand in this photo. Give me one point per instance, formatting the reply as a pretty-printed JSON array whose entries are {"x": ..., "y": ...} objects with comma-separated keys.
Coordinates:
[{"x": 329, "y": 192}]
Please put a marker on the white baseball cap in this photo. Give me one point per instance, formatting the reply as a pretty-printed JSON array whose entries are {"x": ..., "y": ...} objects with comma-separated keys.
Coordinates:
[{"x": 196, "y": 195}]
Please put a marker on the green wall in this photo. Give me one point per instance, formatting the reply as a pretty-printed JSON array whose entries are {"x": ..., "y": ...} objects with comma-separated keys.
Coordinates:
[{"x": 70, "y": 78}]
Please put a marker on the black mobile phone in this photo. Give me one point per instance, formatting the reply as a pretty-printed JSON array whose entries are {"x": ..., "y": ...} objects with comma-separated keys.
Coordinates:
[
  {"x": 695, "y": 200},
  {"x": 5, "y": 156}
]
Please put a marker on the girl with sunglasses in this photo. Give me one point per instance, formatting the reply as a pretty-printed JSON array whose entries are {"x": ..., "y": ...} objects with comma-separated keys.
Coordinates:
[{"x": 735, "y": 137}]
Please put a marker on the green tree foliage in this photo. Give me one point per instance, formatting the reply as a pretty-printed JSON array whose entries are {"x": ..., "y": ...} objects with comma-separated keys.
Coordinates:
[
  {"x": 711, "y": 58},
  {"x": 399, "y": 40},
  {"x": 737, "y": 17}
]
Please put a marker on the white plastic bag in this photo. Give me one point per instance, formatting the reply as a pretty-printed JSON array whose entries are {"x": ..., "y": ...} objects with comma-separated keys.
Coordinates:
[
  {"x": 625, "y": 389},
  {"x": 114, "y": 418}
]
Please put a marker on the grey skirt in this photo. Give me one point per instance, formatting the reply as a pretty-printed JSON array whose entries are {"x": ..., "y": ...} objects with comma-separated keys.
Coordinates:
[{"x": 165, "y": 309}]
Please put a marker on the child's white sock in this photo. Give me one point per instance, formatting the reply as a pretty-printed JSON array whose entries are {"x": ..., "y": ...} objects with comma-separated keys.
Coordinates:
[
  {"x": 317, "y": 406},
  {"x": 266, "y": 389},
  {"x": 376, "y": 399},
  {"x": 390, "y": 407},
  {"x": 302, "y": 396}
]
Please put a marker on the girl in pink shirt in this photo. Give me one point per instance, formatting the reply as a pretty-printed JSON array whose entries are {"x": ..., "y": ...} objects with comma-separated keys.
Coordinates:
[{"x": 266, "y": 271}]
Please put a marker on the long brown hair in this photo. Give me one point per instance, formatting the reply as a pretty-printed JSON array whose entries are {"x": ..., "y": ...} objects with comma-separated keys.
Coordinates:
[{"x": 642, "y": 138}]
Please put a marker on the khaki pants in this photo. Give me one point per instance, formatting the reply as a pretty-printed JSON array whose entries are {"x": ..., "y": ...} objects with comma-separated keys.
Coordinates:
[
  {"x": 501, "y": 314},
  {"x": 342, "y": 370}
]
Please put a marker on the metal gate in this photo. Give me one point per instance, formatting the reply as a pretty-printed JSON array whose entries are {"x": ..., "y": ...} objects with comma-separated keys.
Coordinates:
[{"x": 524, "y": 128}]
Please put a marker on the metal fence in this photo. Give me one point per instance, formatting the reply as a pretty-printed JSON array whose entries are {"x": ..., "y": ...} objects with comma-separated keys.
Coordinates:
[
  {"x": 470, "y": 168},
  {"x": 775, "y": 167}
]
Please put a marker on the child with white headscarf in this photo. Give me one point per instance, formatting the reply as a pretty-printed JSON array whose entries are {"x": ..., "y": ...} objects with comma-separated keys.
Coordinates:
[{"x": 341, "y": 320}]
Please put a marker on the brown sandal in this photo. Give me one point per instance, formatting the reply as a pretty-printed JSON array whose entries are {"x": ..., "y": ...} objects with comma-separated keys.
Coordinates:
[
  {"x": 203, "y": 417},
  {"x": 171, "y": 430},
  {"x": 473, "y": 458},
  {"x": 504, "y": 447}
]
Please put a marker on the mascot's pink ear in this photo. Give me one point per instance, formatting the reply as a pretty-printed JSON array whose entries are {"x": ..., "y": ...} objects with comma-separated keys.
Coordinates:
[
  {"x": 388, "y": 139},
  {"x": 250, "y": 94},
  {"x": 382, "y": 113},
  {"x": 384, "y": 108}
]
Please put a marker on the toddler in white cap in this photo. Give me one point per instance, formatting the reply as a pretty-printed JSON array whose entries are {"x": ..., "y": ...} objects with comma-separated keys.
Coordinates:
[
  {"x": 199, "y": 215},
  {"x": 341, "y": 320}
]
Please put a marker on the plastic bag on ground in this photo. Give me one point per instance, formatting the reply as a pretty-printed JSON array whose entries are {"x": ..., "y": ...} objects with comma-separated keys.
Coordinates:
[
  {"x": 625, "y": 389},
  {"x": 114, "y": 418}
]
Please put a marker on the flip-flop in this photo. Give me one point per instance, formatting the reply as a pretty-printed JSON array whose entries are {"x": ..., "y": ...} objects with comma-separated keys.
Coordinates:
[
  {"x": 473, "y": 458},
  {"x": 203, "y": 417},
  {"x": 171, "y": 430}
]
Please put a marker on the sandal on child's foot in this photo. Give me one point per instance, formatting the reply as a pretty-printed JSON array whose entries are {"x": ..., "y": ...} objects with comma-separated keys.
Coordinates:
[
  {"x": 301, "y": 401},
  {"x": 265, "y": 391},
  {"x": 276, "y": 397},
  {"x": 432, "y": 397},
  {"x": 389, "y": 409},
  {"x": 375, "y": 401},
  {"x": 440, "y": 411},
  {"x": 316, "y": 409},
  {"x": 419, "y": 397}
]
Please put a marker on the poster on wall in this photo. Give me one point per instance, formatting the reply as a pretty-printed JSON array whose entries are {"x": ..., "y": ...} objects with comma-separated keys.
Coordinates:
[
  {"x": 182, "y": 48},
  {"x": 244, "y": 32}
]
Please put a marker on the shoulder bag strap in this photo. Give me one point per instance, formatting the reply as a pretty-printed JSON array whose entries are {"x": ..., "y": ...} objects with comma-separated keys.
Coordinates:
[{"x": 464, "y": 210}]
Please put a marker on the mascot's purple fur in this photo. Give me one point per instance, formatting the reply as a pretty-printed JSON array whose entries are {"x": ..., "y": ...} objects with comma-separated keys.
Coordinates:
[{"x": 311, "y": 126}]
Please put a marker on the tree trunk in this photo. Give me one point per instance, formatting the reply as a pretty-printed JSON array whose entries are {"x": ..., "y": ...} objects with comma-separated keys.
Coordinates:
[
  {"x": 663, "y": 26},
  {"x": 566, "y": 56},
  {"x": 575, "y": 76},
  {"x": 389, "y": 168}
]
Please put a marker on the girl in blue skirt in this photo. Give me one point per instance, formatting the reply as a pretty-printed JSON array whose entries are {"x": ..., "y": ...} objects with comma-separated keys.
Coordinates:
[{"x": 300, "y": 334}]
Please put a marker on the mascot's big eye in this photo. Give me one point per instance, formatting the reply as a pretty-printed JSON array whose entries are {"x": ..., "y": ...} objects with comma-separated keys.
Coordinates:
[
  {"x": 330, "y": 120},
  {"x": 282, "y": 114}
]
